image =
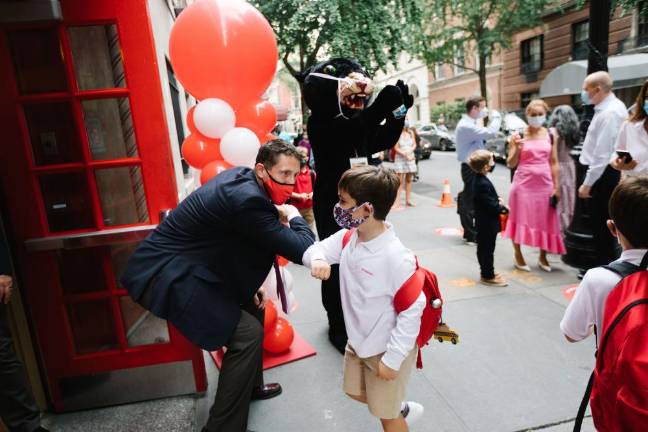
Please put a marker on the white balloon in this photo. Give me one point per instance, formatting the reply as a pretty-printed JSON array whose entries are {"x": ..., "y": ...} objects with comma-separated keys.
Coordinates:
[
  {"x": 239, "y": 147},
  {"x": 214, "y": 118}
]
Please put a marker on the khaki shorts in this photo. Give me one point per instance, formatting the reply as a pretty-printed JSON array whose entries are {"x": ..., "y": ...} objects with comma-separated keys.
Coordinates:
[{"x": 384, "y": 397}]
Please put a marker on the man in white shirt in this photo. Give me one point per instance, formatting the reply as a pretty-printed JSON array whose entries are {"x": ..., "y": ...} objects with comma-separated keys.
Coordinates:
[
  {"x": 374, "y": 264},
  {"x": 601, "y": 178},
  {"x": 471, "y": 137}
]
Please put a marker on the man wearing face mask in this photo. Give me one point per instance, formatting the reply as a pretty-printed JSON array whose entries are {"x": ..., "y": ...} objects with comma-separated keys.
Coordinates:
[
  {"x": 202, "y": 267},
  {"x": 598, "y": 147},
  {"x": 471, "y": 137}
]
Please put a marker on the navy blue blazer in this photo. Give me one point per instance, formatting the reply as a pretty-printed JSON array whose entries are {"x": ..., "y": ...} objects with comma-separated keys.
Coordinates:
[
  {"x": 211, "y": 255},
  {"x": 487, "y": 205}
]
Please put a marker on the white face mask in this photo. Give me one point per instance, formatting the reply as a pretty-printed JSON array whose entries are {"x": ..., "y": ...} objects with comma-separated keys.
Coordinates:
[
  {"x": 536, "y": 121},
  {"x": 483, "y": 112}
]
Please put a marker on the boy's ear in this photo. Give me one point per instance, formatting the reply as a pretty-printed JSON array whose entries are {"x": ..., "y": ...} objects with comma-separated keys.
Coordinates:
[
  {"x": 612, "y": 227},
  {"x": 368, "y": 207}
]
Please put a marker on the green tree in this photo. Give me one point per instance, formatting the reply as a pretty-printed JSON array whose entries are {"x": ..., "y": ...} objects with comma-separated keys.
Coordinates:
[
  {"x": 374, "y": 32},
  {"x": 477, "y": 27}
]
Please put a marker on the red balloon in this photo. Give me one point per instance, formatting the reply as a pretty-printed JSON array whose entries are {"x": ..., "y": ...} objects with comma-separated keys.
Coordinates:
[
  {"x": 198, "y": 150},
  {"x": 258, "y": 116},
  {"x": 280, "y": 338},
  {"x": 270, "y": 316},
  {"x": 265, "y": 137},
  {"x": 190, "y": 121},
  {"x": 212, "y": 169},
  {"x": 223, "y": 49}
]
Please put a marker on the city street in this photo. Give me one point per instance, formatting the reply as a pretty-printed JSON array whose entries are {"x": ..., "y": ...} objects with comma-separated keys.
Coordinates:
[{"x": 511, "y": 371}]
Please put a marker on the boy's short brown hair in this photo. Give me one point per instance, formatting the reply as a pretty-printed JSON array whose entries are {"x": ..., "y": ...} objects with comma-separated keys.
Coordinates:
[
  {"x": 375, "y": 185},
  {"x": 629, "y": 210},
  {"x": 479, "y": 159},
  {"x": 474, "y": 101}
]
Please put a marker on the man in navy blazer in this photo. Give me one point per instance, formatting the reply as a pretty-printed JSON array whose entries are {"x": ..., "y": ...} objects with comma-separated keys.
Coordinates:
[{"x": 203, "y": 266}]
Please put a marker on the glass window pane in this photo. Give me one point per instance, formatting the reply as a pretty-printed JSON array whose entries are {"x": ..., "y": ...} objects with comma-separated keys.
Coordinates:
[
  {"x": 92, "y": 326},
  {"x": 81, "y": 270},
  {"x": 38, "y": 60},
  {"x": 142, "y": 327},
  {"x": 119, "y": 256},
  {"x": 97, "y": 57},
  {"x": 121, "y": 191},
  {"x": 53, "y": 133},
  {"x": 67, "y": 201},
  {"x": 109, "y": 127}
]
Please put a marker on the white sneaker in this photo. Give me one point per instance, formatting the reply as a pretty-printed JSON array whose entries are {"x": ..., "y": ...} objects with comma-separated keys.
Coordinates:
[{"x": 412, "y": 412}]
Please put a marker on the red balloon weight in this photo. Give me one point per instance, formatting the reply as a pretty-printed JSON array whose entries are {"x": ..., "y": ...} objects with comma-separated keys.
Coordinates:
[
  {"x": 280, "y": 338},
  {"x": 270, "y": 316},
  {"x": 212, "y": 169},
  {"x": 223, "y": 49},
  {"x": 198, "y": 150},
  {"x": 259, "y": 116},
  {"x": 190, "y": 121}
]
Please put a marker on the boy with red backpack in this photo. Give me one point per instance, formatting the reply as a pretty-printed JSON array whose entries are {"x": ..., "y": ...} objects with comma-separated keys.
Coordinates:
[
  {"x": 374, "y": 266},
  {"x": 612, "y": 302}
]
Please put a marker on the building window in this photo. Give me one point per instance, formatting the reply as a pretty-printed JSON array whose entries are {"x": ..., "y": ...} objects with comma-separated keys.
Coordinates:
[
  {"x": 439, "y": 71},
  {"x": 580, "y": 37},
  {"x": 532, "y": 55},
  {"x": 525, "y": 98},
  {"x": 460, "y": 61},
  {"x": 642, "y": 27},
  {"x": 177, "y": 113}
]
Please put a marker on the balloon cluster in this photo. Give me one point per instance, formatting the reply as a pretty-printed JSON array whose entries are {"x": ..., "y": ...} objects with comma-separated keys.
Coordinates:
[
  {"x": 278, "y": 333},
  {"x": 224, "y": 53}
]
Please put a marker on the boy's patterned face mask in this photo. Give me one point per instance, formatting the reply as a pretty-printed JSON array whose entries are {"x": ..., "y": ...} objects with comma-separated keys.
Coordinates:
[{"x": 344, "y": 217}]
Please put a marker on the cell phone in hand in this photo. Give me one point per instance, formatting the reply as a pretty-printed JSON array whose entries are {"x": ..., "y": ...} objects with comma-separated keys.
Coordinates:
[
  {"x": 553, "y": 201},
  {"x": 624, "y": 155}
]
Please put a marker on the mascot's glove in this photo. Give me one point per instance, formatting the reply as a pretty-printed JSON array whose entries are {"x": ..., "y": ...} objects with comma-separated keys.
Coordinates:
[{"x": 408, "y": 99}]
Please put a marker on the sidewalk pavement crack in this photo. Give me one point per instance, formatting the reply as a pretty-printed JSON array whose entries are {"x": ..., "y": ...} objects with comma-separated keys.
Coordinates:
[{"x": 548, "y": 425}]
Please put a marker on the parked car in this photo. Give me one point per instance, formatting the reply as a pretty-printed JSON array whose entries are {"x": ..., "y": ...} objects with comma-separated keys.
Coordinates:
[
  {"x": 511, "y": 123},
  {"x": 438, "y": 138},
  {"x": 424, "y": 149}
]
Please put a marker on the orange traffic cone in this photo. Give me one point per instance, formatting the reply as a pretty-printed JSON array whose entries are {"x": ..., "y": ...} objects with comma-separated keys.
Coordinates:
[{"x": 446, "y": 197}]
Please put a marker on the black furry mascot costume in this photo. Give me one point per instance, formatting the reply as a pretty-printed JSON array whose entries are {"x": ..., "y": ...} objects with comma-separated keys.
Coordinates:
[{"x": 341, "y": 127}]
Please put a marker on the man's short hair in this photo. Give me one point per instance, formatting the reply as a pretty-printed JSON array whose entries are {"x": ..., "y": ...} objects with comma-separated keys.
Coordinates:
[
  {"x": 629, "y": 210},
  {"x": 479, "y": 159},
  {"x": 269, "y": 152},
  {"x": 474, "y": 102},
  {"x": 375, "y": 185}
]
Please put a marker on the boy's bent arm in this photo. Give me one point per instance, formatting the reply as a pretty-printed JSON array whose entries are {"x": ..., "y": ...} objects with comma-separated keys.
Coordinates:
[
  {"x": 329, "y": 250},
  {"x": 403, "y": 337}
]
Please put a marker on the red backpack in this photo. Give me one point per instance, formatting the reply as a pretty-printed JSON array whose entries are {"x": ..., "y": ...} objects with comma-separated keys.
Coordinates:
[
  {"x": 619, "y": 382},
  {"x": 422, "y": 280}
]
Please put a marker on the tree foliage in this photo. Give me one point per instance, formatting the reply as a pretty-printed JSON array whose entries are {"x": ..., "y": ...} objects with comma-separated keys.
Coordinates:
[
  {"x": 374, "y": 32},
  {"x": 475, "y": 27}
]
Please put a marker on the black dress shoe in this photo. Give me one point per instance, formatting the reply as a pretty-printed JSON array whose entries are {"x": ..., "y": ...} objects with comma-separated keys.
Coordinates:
[{"x": 267, "y": 391}]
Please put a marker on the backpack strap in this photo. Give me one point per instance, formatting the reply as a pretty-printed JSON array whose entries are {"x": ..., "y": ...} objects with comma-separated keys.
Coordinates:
[
  {"x": 410, "y": 290},
  {"x": 623, "y": 268},
  {"x": 578, "y": 421},
  {"x": 347, "y": 237}
]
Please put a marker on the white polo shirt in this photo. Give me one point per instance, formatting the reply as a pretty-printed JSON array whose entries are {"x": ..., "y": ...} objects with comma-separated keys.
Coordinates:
[
  {"x": 587, "y": 307},
  {"x": 370, "y": 275}
]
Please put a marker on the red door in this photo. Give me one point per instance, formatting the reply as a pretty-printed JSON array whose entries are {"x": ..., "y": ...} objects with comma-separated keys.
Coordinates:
[{"x": 86, "y": 169}]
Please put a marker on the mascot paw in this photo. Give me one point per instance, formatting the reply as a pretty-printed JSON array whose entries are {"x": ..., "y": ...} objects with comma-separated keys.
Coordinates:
[
  {"x": 389, "y": 99},
  {"x": 408, "y": 99}
]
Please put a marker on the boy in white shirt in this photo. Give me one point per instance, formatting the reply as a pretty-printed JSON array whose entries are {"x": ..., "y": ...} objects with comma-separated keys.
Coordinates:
[
  {"x": 629, "y": 213},
  {"x": 374, "y": 264}
]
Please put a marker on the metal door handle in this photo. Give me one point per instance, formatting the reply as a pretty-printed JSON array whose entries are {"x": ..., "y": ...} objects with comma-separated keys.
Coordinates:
[{"x": 89, "y": 239}]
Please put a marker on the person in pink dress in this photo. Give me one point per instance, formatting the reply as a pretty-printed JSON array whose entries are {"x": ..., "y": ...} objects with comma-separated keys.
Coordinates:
[{"x": 533, "y": 218}]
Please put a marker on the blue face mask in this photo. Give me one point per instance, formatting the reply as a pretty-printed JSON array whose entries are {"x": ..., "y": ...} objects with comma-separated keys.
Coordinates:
[
  {"x": 585, "y": 98},
  {"x": 646, "y": 107}
]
